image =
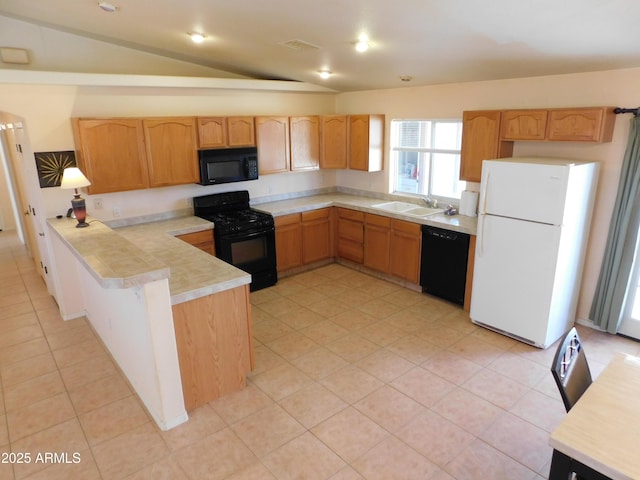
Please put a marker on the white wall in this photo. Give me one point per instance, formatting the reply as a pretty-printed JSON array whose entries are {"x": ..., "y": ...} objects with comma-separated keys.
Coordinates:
[
  {"x": 47, "y": 110},
  {"x": 614, "y": 88}
]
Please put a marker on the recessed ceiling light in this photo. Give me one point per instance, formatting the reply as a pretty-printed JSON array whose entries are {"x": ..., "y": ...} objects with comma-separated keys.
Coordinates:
[
  {"x": 107, "y": 7},
  {"x": 324, "y": 74},
  {"x": 362, "y": 45},
  {"x": 197, "y": 37}
]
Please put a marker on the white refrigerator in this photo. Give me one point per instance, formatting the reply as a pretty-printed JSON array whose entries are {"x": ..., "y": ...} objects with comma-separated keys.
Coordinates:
[{"x": 534, "y": 216}]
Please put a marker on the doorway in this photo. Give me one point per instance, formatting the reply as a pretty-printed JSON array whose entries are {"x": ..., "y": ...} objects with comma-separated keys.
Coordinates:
[{"x": 23, "y": 186}]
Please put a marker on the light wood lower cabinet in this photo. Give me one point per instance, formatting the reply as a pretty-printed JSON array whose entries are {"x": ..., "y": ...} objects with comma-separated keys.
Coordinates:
[
  {"x": 405, "y": 250},
  {"x": 288, "y": 242},
  {"x": 377, "y": 242},
  {"x": 393, "y": 246},
  {"x": 202, "y": 240},
  {"x": 215, "y": 345},
  {"x": 317, "y": 236},
  {"x": 303, "y": 238},
  {"x": 350, "y": 233}
]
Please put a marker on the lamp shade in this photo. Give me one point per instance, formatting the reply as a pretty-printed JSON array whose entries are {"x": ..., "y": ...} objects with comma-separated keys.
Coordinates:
[{"x": 72, "y": 177}]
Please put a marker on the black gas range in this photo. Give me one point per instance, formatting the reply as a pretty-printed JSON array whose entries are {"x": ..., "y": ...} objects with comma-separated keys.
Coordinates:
[{"x": 243, "y": 236}]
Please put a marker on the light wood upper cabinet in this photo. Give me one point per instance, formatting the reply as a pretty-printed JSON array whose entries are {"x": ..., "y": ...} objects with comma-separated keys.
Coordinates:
[
  {"x": 333, "y": 141},
  {"x": 481, "y": 141},
  {"x": 240, "y": 132},
  {"x": 524, "y": 124},
  {"x": 366, "y": 142},
  {"x": 171, "y": 150},
  {"x": 305, "y": 142},
  {"x": 212, "y": 132},
  {"x": 593, "y": 124},
  {"x": 272, "y": 138},
  {"x": 225, "y": 132},
  {"x": 111, "y": 153}
]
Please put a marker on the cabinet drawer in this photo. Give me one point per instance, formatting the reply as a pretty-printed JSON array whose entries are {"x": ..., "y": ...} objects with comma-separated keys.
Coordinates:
[
  {"x": 406, "y": 227},
  {"x": 349, "y": 230},
  {"x": 379, "y": 220},
  {"x": 287, "y": 219},
  {"x": 351, "y": 214},
  {"x": 350, "y": 250},
  {"x": 319, "y": 214}
]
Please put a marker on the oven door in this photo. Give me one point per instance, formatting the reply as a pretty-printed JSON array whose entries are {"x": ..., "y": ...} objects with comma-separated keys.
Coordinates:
[{"x": 253, "y": 252}]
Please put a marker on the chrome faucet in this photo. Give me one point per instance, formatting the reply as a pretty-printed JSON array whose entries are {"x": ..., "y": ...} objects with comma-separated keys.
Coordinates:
[{"x": 433, "y": 203}]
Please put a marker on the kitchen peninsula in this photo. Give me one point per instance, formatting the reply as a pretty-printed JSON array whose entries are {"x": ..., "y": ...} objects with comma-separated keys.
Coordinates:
[{"x": 176, "y": 320}]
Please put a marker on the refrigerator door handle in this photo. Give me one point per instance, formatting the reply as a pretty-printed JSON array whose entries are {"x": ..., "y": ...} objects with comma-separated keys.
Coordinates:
[
  {"x": 485, "y": 193},
  {"x": 480, "y": 235}
]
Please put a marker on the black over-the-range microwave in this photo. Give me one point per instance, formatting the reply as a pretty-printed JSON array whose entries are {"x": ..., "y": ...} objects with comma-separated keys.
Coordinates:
[{"x": 228, "y": 165}]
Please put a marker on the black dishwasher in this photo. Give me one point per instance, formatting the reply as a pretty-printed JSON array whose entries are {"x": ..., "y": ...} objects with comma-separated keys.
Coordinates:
[{"x": 443, "y": 266}]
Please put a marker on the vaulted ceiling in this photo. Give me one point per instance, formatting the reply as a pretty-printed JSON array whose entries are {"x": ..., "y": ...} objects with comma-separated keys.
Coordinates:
[{"x": 411, "y": 42}]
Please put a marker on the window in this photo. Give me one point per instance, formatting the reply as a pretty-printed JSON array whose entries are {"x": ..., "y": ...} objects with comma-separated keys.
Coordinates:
[{"x": 425, "y": 155}]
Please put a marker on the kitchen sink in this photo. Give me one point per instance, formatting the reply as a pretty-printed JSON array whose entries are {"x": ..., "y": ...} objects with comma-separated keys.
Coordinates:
[
  {"x": 406, "y": 208},
  {"x": 395, "y": 206},
  {"x": 423, "y": 211}
]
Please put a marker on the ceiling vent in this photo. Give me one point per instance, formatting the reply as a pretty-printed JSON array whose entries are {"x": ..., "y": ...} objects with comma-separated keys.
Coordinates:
[
  {"x": 300, "y": 45},
  {"x": 18, "y": 56}
]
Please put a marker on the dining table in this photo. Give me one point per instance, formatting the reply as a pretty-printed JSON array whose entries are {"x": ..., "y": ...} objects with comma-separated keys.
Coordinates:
[{"x": 599, "y": 438}]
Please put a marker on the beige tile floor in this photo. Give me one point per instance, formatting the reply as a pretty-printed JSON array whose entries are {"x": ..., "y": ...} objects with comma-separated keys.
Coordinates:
[{"x": 355, "y": 378}]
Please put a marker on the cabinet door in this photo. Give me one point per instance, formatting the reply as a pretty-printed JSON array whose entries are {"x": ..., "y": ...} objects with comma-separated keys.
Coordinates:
[
  {"x": 240, "y": 132},
  {"x": 524, "y": 124},
  {"x": 377, "y": 241},
  {"x": 111, "y": 154},
  {"x": 305, "y": 143},
  {"x": 272, "y": 137},
  {"x": 581, "y": 125},
  {"x": 333, "y": 141},
  {"x": 480, "y": 141},
  {"x": 212, "y": 132},
  {"x": 365, "y": 136},
  {"x": 288, "y": 242},
  {"x": 406, "y": 245},
  {"x": 171, "y": 150},
  {"x": 316, "y": 235}
]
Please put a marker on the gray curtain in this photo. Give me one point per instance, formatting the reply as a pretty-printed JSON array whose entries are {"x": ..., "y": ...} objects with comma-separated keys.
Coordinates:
[{"x": 613, "y": 284}]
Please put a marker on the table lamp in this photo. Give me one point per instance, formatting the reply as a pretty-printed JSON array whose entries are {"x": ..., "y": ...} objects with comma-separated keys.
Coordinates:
[{"x": 73, "y": 178}]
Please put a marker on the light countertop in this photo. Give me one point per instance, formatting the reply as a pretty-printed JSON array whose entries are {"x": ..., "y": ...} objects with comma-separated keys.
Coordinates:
[
  {"x": 459, "y": 223},
  {"x": 133, "y": 255}
]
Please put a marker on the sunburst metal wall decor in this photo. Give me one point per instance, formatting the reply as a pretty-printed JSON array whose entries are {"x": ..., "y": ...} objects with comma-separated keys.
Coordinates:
[{"x": 51, "y": 165}]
